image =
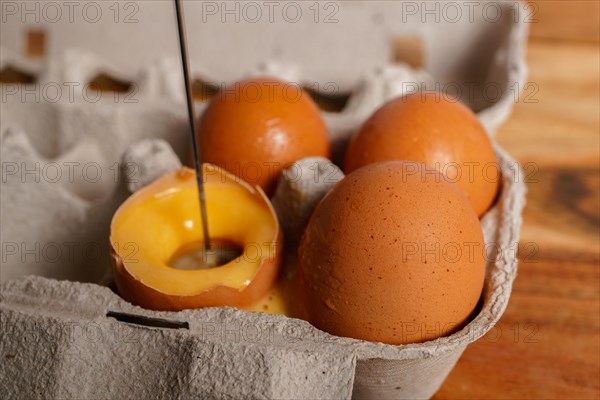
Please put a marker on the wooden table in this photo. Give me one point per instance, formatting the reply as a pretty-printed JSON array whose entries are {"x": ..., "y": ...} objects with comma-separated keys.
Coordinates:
[{"x": 547, "y": 344}]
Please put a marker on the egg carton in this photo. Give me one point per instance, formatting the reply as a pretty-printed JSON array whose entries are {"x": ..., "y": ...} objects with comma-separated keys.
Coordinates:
[
  {"x": 60, "y": 338},
  {"x": 74, "y": 340}
]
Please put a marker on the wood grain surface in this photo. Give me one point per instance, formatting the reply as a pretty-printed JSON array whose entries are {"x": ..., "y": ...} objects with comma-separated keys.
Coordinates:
[
  {"x": 547, "y": 344},
  {"x": 565, "y": 20}
]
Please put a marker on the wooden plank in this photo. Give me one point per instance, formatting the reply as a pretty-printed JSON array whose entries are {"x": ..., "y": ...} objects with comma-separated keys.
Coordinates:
[
  {"x": 557, "y": 119},
  {"x": 561, "y": 20}
]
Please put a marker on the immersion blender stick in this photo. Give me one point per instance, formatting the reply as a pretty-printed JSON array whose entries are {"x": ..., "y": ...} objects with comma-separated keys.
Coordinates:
[{"x": 190, "y": 105}]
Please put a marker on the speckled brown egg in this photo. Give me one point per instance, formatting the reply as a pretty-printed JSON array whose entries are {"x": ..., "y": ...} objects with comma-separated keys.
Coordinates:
[
  {"x": 393, "y": 254},
  {"x": 433, "y": 129},
  {"x": 257, "y": 127}
]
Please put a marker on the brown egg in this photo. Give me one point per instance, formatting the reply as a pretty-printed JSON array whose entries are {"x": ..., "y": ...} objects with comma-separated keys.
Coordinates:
[
  {"x": 257, "y": 127},
  {"x": 393, "y": 254},
  {"x": 432, "y": 129}
]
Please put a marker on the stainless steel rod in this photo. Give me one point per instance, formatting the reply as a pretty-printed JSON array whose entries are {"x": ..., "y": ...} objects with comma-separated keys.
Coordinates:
[{"x": 190, "y": 106}]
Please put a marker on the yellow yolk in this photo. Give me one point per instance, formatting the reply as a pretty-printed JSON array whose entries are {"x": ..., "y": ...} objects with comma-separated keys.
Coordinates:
[
  {"x": 279, "y": 300},
  {"x": 150, "y": 230}
]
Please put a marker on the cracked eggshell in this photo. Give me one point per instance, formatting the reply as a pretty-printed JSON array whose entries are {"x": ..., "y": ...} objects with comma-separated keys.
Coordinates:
[
  {"x": 152, "y": 224},
  {"x": 393, "y": 254}
]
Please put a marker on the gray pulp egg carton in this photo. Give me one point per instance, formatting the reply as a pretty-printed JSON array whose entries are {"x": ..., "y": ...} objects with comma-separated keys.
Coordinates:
[{"x": 65, "y": 335}]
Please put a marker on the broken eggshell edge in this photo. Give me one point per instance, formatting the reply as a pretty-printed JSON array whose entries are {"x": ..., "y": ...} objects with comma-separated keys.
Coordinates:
[{"x": 161, "y": 166}]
